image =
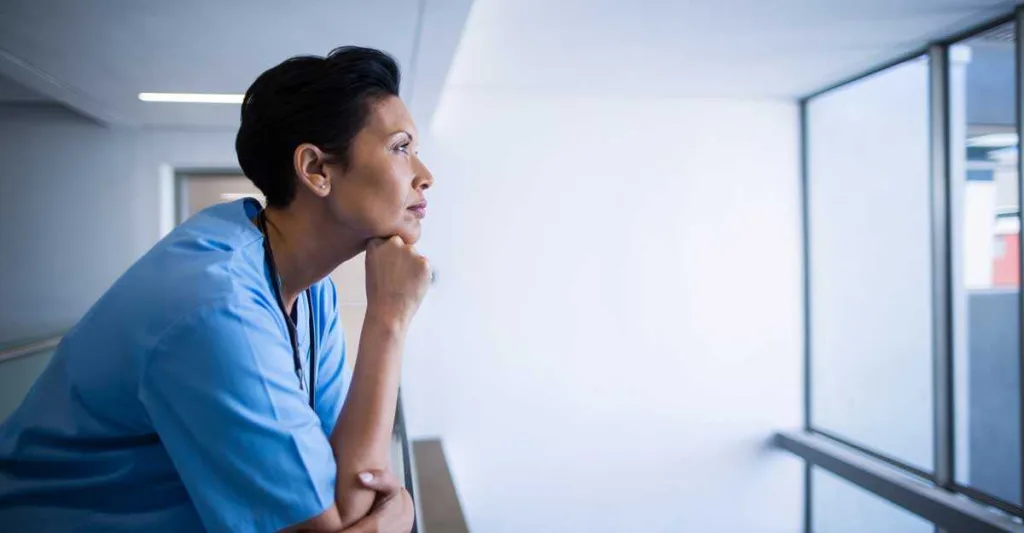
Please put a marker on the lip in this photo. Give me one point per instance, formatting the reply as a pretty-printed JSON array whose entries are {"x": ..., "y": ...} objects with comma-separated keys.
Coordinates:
[{"x": 419, "y": 210}]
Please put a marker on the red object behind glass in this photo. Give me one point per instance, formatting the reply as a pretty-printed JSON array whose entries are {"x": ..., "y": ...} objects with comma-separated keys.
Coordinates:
[{"x": 1006, "y": 260}]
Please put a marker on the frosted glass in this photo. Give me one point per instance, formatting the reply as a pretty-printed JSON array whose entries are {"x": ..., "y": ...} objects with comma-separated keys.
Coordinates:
[{"x": 869, "y": 209}]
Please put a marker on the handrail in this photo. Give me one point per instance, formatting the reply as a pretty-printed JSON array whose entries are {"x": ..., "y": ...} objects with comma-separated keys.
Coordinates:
[
  {"x": 439, "y": 507},
  {"x": 30, "y": 348},
  {"x": 408, "y": 461},
  {"x": 947, "y": 510}
]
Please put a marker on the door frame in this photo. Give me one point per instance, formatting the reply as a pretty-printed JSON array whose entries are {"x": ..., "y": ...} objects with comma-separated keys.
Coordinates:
[{"x": 180, "y": 179}]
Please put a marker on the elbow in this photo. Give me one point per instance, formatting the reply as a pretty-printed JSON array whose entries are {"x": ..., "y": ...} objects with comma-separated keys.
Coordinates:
[{"x": 354, "y": 507}]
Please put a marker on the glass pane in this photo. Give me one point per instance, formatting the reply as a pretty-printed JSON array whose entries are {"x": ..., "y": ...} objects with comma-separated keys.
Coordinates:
[
  {"x": 842, "y": 507},
  {"x": 870, "y": 272},
  {"x": 986, "y": 264}
]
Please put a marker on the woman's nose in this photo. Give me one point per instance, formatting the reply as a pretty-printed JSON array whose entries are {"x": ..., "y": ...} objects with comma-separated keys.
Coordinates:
[{"x": 424, "y": 179}]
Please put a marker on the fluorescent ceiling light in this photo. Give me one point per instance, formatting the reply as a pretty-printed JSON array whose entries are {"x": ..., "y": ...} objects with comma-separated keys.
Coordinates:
[
  {"x": 232, "y": 196},
  {"x": 993, "y": 140},
  {"x": 192, "y": 98}
]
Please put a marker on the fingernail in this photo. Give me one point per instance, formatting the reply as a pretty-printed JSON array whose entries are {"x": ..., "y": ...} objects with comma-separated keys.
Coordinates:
[{"x": 366, "y": 477}]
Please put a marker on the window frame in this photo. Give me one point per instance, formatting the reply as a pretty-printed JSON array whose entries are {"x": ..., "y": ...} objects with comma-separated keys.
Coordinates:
[{"x": 942, "y": 476}]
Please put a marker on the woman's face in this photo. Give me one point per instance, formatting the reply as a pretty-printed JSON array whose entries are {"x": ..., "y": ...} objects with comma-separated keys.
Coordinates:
[{"x": 381, "y": 191}]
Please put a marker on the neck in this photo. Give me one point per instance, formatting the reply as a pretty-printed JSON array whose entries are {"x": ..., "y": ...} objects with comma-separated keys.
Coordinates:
[{"x": 305, "y": 249}]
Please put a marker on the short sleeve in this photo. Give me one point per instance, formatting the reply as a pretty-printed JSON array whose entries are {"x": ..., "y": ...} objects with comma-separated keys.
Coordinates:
[
  {"x": 335, "y": 377},
  {"x": 221, "y": 392}
]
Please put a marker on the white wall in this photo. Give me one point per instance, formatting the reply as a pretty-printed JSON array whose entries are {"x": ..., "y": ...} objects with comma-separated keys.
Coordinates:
[
  {"x": 615, "y": 332},
  {"x": 78, "y": 204}
]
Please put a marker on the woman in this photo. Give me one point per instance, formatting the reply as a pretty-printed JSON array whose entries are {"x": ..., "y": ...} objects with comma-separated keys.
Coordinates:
[{"x": 205, "y": 389}]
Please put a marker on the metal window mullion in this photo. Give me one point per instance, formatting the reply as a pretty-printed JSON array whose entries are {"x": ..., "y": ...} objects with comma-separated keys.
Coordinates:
[
  {"x": 806, "y": 256},
  {"x": 942, "y": 360},
  {"x": 805, "y": 223},
  {"x": 1019, "y": 107}
]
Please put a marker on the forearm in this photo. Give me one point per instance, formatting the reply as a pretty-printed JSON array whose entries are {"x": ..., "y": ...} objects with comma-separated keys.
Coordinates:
[{"x": 362, "y": 436}]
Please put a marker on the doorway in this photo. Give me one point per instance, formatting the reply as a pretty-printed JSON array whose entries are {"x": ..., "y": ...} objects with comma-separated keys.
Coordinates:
[{"x": 196, "y": 191}]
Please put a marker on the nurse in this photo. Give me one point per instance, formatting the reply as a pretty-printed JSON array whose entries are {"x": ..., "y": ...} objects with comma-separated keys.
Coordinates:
[{"x": 206, "y": 389}]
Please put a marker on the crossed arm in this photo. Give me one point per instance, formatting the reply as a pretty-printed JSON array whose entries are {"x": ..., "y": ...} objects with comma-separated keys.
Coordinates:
[{"x": 361, "y": 438}]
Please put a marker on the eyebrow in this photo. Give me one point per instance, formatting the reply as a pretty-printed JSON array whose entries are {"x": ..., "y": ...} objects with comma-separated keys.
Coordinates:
[{"x": 407, "y": 134}]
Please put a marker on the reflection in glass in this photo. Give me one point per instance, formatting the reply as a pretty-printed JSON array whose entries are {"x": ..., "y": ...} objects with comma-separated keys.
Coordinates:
[{"x": 986, "y": 264}]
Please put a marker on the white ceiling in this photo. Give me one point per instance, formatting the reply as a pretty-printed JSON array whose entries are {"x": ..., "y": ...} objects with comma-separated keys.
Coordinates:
[
  {"x": 722, "y": 48},
  {"x": 97, "y": 56}
]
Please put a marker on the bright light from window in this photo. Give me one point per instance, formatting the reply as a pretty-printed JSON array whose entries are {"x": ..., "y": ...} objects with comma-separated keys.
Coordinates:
[{"x": 192, "y": 98}]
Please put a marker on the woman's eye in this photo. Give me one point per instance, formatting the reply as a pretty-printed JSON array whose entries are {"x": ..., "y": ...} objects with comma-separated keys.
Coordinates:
[{"x": 404, "y": 148}]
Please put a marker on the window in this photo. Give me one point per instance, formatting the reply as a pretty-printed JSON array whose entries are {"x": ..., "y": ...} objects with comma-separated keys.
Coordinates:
[
  {"x": 842, "y": 507},
  {"x": 985, "y": 210},
  {"x": 869, "y": 240},
  {"x": 912, "y": 214}
]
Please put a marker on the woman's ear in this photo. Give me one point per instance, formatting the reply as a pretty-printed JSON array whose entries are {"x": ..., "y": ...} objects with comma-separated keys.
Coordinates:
[{"x": 309, "y": 162}]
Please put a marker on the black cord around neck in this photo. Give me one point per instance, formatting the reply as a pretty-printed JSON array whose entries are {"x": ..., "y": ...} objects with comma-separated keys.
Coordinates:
[{"x": 293, "y": 335}]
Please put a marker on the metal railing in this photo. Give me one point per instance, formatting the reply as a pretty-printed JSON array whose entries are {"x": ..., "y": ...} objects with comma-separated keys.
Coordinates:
[
  {"x": 441, "y": 508},
  {"x": 948, "y": 510},
  {"x": 408, "y": 464}
]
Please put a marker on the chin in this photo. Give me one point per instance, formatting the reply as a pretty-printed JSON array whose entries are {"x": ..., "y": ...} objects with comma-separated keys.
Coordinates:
[{"x": 410, "y": 233}]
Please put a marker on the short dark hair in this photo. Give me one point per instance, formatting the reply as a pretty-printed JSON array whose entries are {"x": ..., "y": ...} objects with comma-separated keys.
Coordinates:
[{"x": 309, "y": 99}]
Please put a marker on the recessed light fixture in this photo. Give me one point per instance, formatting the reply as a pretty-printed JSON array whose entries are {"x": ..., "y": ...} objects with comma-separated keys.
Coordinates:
[{"x": 192, "y": 98}]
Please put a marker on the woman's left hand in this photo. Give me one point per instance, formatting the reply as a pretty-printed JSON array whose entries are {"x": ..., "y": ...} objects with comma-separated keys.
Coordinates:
[{"x": 393, "y": 511}]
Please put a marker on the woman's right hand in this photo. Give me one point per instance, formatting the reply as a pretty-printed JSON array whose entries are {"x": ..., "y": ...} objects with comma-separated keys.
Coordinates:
[{"x": 397, "y": 278}]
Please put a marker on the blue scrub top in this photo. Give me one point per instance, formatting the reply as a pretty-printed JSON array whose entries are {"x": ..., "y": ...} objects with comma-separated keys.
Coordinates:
[{"x": 174, "y": 405}]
